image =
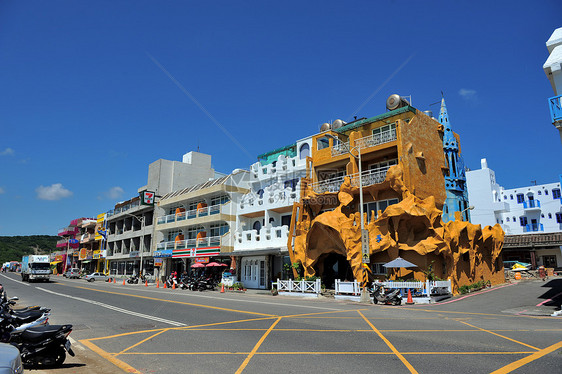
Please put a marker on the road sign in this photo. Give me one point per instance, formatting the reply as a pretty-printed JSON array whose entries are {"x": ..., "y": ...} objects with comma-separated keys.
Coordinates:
[{"x": 365, "y": 246}]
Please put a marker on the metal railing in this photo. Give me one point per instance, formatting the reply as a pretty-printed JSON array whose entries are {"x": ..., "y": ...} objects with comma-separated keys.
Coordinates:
[
  {"x": 368, "y": 178},
  {"x": 190, "y": 214},
  {"x": 210, "y": 241},
  {"x": 340, "y": 148},
  {"x": 376, "y": 139}
]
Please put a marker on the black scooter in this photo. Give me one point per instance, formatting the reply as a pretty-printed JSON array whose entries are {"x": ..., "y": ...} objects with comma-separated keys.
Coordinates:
[
  {"x": 381, "y": 296},
  {"x": 44, "y": 346}
]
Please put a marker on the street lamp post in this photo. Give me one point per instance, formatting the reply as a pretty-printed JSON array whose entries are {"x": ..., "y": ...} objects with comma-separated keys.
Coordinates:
[
  {"x": 469, "y": 208},
  {"x": 364, "y": 235}
]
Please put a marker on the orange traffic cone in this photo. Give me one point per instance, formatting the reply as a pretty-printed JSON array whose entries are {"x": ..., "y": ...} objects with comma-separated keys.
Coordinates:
[
  {"x": 165, "y": 285},
  {"x": 222, "y": 288},
  {"x": 173, "y": 286},
  {"x": 409, "y": 300},
  {"x": 157, "y": 284},
  {"x": 114, "y": 281},
  {"x": 123, "y": 282},
  {"x": 146, "y": 283}
]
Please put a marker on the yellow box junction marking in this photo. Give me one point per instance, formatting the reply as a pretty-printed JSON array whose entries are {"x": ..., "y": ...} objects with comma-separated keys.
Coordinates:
[
  {"x": 501, "y": 336},
  {"x": 524, "y": 361}
]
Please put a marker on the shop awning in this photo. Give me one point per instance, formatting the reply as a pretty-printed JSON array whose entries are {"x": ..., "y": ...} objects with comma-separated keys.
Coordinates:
[{"x": 55, "y": 262}]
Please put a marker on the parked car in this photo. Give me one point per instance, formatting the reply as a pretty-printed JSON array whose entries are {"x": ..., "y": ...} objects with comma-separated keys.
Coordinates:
[
  {"x": 96, "y": 276},
  {"x": 72, "y": 273},
  {"x": 10, "y": 360}
]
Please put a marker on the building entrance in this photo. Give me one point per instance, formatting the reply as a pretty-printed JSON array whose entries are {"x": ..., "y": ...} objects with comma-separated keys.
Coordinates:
[{"x": 332, "y": 266}]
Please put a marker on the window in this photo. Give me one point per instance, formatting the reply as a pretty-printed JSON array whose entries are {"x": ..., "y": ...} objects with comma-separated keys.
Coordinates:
[
  {"x": 378, "y": 268},
  {"x": 546, "y": 192},
  {"x": 542, "y": 215},
  {"x": 511, "y": 197},
  {"x": 193, "y": 231},
  {"x": 556, "y": 193},
  {"x": 384, "y": 164},
  {"x": 550, "y": 215},
  {"x": 558, "y": 217},
  {"x": 304, "y": 151},
  {"x": 384, "y": 129},
  {"x": 513, "y": 218},
  {"x": 505, "y": 197},
  {"x": 219, "y": 229},
  {"x": 520, "y": 198},
  {"x": 539, "y": 192},
  {"x": 523, "y": 220},
  {"x": 375, "y": 206},
  {"x": 217, "y": 200},
  {"x": 507, "y": 219},
  {"x": 322, "y": 143}
]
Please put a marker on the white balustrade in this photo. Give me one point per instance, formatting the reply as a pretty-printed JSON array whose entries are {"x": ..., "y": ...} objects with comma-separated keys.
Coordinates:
[{"x": 298, "y": 287}]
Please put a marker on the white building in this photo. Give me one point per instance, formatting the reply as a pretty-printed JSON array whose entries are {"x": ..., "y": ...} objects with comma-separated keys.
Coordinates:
[
  {"x": 263, "y": 215},
  {"x": 553, "y": 70},
  {"x": 521, "y": 212}
]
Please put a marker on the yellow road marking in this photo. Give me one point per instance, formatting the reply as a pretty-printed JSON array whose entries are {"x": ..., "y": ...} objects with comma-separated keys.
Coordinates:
[
  {"x": 326, "y": 353},
  {"x": 120, "y": 364},
  {"x": 476, "y": 314},
  {"x": 176, "y": 302},
  {"x": 524, "y": 361},
  {"x": 125, "y": 334},
  {"x": 313, "y": 314},
  {"x": 404, "y": 361},
  {"x": 501, "y": 336},
  {"x": 257, "y": 346},
  {"x": 139, "y": 343}
]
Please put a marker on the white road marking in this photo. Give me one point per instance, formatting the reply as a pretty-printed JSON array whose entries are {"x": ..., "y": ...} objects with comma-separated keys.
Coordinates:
[
  {"x": 13, "y": 280},
  {"x": 117, "y": 309}
]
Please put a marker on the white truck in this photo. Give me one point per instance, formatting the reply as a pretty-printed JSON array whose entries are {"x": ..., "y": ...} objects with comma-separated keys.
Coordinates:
[{"x": 35, "y": 267}]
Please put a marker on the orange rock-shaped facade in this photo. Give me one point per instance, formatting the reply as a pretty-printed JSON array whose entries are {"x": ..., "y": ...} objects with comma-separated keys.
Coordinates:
[{"x": 411, "y": 229}]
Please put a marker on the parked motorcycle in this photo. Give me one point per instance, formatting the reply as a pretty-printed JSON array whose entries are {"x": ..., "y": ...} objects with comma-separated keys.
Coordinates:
[
  {"x": 44, "y": 346},
  {"x": 380, "y": 295}
]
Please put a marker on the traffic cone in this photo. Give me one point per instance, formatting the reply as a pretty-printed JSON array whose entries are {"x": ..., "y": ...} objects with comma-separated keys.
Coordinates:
[
  {"x": 146, "y": 283},
  {"x": 157, "y": 284},
  {"x": 165, "y": 285},
  {"x": 222, "y": 288},
  {"x": 173, "y": 286},
  {"x": 114, "y": 281},
  {"x": 123, "y": 282},
  {"x": 409, "y": 300}
]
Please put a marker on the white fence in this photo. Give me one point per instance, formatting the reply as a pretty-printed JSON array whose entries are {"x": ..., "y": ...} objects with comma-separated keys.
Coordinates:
[
  {"x": 427, "y": 288},
  {"x": 347, "y": 288},
  {"x": 304, "y": 287}
]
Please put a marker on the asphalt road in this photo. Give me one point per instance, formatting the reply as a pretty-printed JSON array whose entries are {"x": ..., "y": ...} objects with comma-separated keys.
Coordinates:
[{"x": 139, "y": 329}]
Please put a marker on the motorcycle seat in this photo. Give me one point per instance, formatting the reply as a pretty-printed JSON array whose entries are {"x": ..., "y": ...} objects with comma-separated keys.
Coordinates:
[{"x": 35, "y": 334}]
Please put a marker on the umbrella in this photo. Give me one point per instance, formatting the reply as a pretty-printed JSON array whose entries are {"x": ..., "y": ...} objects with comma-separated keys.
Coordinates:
[
  {"x": 197, "y": 265},
  {"x": 212, "y": 264},
  {"x": 399, "y": 263}
]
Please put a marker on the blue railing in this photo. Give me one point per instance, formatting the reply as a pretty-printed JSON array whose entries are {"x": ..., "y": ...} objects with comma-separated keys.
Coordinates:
[
  {"x": 555, "y": 105},
  {"x": 531, "y": 204},
  {"x": 534, "y": 227}
]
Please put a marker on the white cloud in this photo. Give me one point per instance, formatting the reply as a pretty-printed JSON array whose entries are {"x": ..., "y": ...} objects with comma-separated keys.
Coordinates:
[
  {"x": 468, "y": 94},
  {"x": 113, "y": 193},
  {"x": 53, "y": 192},
  {"x": 2, "y": 191},
  {"x": 7, "y": 152}
]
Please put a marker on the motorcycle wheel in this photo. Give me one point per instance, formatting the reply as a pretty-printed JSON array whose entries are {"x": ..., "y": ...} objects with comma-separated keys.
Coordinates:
[{"x": 397, "y": 302}]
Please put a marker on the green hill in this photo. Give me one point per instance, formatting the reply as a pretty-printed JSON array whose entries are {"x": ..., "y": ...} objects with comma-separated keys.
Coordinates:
[{"x": 12, "y": 248}]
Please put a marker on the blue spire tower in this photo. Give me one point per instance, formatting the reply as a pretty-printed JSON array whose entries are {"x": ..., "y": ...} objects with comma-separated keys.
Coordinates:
[{"x": 455, "y": 178}]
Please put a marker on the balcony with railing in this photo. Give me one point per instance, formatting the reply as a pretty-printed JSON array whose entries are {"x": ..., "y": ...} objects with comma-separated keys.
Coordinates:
[
  {"x": 190, "y": 214},
  {"x": 266, "y": 237},
  {"x": 532, "y": 205},
  {"x": 376, "y": 139},
  {"x": 87, "y": 238},
  {"x": 368, "y": 178},
  {"x": 533, "y": 227},
  {"x": 555, "y": 105},
  {"x": 68, "y": 243},
  {"x": 269, "y": 199},
  {"x": 210, "y": 241},
  {"x": 69, "y": 231}
]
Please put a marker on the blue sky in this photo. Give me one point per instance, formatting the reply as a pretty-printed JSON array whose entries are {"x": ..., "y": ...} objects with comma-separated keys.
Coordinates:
[{"x": 84, "y": 106}]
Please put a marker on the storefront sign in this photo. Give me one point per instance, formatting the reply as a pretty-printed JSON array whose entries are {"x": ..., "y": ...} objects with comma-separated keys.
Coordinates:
[
  {"x": 83, "y": 253},
  {"x": 163, "y": 253},
  {"x": 196, "y": 252},
  {"x": 89, "y": 254},
  {"x": 58, "y": 257},
  {"x": 97, "y": 254},
  {"x": 157, "y": 262},
  {"x": 202, "y": 260}
]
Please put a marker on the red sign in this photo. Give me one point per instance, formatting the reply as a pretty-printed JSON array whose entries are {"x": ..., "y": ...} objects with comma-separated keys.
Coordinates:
[
  {"x": 202, "y": 260},
  {"x": 148, "y": 198}
]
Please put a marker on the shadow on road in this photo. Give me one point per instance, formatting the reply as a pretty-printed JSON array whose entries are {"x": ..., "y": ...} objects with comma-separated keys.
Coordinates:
[{"x": 554, "y": 294}]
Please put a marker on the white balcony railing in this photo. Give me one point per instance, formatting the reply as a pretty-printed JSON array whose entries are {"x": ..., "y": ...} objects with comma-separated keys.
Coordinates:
[
  {"x": 190, "y": 214},
  {"x": 376, "y": 139},
  {"x": 368, "y": 178},
  {"x": 340, "y": 148},
  {"x": 267, "y": 237}
]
